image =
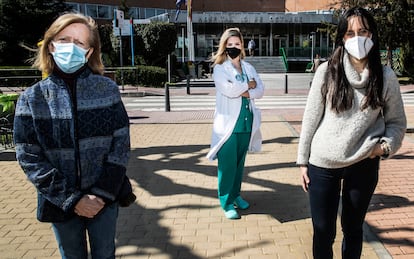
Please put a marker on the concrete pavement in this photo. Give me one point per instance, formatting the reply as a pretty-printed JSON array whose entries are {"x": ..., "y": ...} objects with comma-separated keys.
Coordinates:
[{"x": 177, "y": 214}]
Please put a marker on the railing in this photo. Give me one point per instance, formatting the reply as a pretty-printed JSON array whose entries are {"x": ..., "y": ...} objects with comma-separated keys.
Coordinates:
[
  {"x": 18, "y": 79},
  {"x": 6, "y": 133},
  {"x": 7, "y": 108},
  {"x": 283, "y": 54},
  {"x": 306, "y": 52}
]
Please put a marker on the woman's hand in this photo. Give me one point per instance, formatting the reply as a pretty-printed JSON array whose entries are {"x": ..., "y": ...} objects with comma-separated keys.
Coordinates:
[
  {"x": 376, "y": 151},
  {"x": 89, "y": 205},
  {"x": 252, "y": 84},
  {"x": 305, "y": 178},
  {"x": 245, "y": 94}
]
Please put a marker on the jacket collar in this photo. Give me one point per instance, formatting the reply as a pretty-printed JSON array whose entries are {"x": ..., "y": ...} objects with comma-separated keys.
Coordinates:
[{"x": 60, "y": 78}]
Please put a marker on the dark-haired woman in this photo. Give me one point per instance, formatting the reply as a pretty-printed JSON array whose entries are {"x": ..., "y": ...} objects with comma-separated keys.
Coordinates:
[{"x": 353, "y": 117}]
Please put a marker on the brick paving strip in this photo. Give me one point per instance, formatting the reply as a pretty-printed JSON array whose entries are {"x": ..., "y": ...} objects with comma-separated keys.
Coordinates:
[{"x": 391, "y": 213}]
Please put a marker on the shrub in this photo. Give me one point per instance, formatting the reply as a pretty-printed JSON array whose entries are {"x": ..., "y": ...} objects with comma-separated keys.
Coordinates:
[{"x": 143, "y": 76}]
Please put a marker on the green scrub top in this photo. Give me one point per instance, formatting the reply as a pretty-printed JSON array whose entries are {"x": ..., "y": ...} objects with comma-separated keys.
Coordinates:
[{"x": 245, "y": 119}]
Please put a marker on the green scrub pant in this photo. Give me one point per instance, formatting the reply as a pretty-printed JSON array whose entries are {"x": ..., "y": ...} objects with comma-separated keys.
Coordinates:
[{"x": 231, "y": 157}]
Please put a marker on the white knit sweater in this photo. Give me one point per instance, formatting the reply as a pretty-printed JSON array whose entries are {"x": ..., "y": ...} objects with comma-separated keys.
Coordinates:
[{"x": 335, "y": 140}]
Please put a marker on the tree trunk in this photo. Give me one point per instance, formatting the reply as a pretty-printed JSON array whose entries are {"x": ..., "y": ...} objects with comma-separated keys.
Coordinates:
[{"x": 389, "y": 57}]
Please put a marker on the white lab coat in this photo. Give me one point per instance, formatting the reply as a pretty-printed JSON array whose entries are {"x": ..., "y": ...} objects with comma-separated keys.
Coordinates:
[{"x": 228, "y": 104}]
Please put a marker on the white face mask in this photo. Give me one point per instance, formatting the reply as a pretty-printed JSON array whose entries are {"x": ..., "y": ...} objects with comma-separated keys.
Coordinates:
[{"x": 358, "y": 46}]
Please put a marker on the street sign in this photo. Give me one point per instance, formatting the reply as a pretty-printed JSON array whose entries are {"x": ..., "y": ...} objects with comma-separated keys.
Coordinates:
[{"x": 120, "y": 25}]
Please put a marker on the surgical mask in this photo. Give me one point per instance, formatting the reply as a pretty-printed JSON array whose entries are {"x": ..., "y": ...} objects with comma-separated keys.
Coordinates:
[
  {"x": 358, "y": 46},
  {"x": 69, "y": 57},
  {"x": 233, "y": 52}
]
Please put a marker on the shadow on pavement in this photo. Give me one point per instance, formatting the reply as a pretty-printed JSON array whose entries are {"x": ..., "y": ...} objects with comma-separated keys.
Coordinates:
[
  {"x": 281, "y": 140},
  {"x": 382, "y": 201},
  {"x": 141, "y": 227},
  {"x": 403, "y": 156}
]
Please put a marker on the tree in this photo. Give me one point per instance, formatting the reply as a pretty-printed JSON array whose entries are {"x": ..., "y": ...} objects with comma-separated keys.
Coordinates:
[
  {"x": 125, "y": 8},
  {"x": 22, "y": 25},
  {"x": 159, "y": 40},
  {"x": 109, "y": 55}
]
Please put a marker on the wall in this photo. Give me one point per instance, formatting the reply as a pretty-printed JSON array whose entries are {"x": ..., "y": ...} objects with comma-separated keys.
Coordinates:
[
  {"x": 204, "y": 5},
  {"x": 228, "y": 5},
  {"x": 308, "y": 5}
]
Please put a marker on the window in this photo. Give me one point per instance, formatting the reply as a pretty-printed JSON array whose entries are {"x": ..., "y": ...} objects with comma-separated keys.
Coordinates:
[
  {"x": 99, "y": 11},
  {"x": 104, "y": 12},
  {"x": 91, "y": 10},
  {"x": 160, "y": 11},
  {"x": 134, "y": 12},
  {"x": 150, "y": 12},
  {"x": 74, "y": 6}
]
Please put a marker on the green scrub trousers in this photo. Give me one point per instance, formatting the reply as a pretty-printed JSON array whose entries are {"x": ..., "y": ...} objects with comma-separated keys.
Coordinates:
[{"x": 231, "y": 157}]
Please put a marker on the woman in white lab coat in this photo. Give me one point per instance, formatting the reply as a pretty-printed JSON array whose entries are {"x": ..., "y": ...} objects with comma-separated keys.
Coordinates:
[{"x": 236, "y": 127}]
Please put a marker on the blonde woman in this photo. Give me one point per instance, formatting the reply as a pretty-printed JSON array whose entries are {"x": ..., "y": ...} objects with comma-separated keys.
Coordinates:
[
  {"x": 72, "y": 140},
  {"x": 236, "y": 127}
]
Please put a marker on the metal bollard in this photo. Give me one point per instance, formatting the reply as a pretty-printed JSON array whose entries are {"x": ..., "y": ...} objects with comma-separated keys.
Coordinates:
[
  {"x": 286, "y": 83},
  {"x": 188, "y": 84},
  {"x": 167, "y": 97}
]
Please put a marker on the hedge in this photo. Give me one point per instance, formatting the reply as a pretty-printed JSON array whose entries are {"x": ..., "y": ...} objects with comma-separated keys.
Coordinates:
[{"x": 142, "y": 75}]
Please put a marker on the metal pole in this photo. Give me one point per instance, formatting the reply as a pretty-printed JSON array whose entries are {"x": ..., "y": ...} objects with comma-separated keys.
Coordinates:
[
  {"x": 167, "y": 97},
  {"x": 169, "y": 68},
  {"x": 131, "y": 24},
  {"x": 271, "y": 37},
  {"x": 190, "y": 36},
  {"x": 188, "y": 84},
  {"x": 286, "y": 83},
  {"x": 121, "y": 58},
  {"x": 313, "y": 44},
  {"x": 183, "y": 46}
]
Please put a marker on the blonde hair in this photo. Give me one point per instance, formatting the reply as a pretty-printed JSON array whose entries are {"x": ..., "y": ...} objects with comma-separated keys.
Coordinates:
[
  {"x": 44, "y": 60},
  {"x": 220, "y": 56}
]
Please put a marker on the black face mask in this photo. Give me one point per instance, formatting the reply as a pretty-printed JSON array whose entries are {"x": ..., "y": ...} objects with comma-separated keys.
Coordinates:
[{"x": 233, "y": 52}]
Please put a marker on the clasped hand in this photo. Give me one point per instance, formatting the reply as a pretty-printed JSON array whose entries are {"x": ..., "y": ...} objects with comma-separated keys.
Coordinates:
[
  {"x": 252, "y": 84},
  {"x": 376, "y": 151},
  {"x": 89, "y": 206}
]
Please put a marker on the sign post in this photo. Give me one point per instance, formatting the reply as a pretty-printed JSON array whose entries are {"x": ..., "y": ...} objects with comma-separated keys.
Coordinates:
[
  {"x": 190, "y": 37},
  {"x": 118, "y": 22},
  {"x": 131, "y": 24}
]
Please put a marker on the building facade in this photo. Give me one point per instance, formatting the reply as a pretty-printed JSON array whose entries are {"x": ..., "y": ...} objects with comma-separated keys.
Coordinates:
[{"x": 293, "y": 25}]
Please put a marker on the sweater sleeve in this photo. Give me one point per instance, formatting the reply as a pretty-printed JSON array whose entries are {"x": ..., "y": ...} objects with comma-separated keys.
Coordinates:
[
  {"x": 111, "y": 181},
  {"x": 257, "y": 92},
  {"x": 47, "y": 179},
  {"x": 312, "y": 116},
  {"x": 393, "y": 112}
]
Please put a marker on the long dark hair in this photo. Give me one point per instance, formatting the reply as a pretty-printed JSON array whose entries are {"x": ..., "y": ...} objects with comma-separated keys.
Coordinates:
[{"x": 336, "y": 88}]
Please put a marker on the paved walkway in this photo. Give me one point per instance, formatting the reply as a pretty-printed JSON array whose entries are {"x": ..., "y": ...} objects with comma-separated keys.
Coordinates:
[{"x": 177, "y": 214}]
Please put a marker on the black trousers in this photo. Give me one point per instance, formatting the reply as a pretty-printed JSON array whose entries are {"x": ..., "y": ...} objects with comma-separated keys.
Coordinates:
[{"x": 357, "y": 183}]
